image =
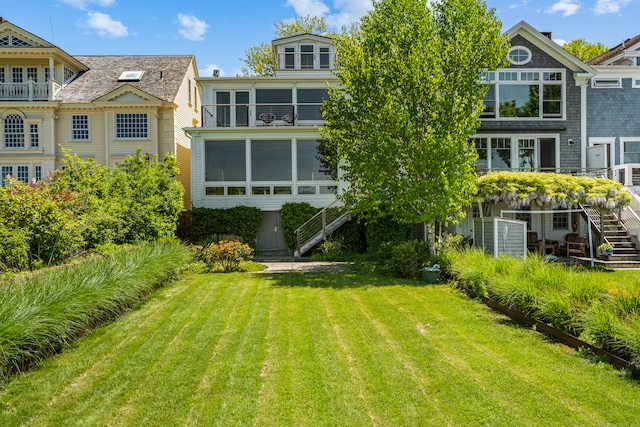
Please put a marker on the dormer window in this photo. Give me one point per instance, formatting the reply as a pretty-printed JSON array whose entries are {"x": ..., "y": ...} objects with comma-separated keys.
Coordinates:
[{"x": 305, "y": 56}]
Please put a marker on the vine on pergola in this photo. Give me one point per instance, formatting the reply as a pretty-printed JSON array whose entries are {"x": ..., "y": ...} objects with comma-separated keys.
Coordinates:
[{"x": 551, "y": 190}]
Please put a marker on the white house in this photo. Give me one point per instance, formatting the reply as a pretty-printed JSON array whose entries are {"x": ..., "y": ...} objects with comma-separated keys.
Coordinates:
[{"x": 258, "y": 143}]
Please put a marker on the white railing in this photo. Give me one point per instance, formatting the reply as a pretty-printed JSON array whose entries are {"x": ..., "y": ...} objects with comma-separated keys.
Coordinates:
[
  {"x": 255, "y": 115},
  {"x": 627, "y": 170},
  {"x": 29, "y": 91}
]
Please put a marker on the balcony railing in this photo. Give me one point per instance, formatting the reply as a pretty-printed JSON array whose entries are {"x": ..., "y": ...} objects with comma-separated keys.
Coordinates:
[
  {"x": 29, "y": 91},
  {"x": 592, "y": 172},
  {"x": 255, "y": 115}
]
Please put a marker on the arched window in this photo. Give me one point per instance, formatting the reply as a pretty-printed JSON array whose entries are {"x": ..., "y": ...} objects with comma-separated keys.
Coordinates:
[{"x": 13, "y": 131}]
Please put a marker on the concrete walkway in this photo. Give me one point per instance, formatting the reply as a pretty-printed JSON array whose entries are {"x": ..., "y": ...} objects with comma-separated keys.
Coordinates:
[{"x": 305, "y": 267}]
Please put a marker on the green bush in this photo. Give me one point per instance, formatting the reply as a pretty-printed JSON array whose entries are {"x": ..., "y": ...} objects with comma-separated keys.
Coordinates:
[
  {"x": 293, "y": 216},
  {"x": 14, "y": 250},
  {"x": 405, "y": 259},
  {"x": 242, "y": 221},
  {"x": 383, "y": 230}
]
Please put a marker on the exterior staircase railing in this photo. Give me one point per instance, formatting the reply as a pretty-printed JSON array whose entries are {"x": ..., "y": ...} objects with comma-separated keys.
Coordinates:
[{"x": 320, "y": 226}]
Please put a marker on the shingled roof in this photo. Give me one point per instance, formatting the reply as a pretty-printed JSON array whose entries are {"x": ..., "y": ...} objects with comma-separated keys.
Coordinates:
[
  {"x": 604, "y": 57},
  {"x": 162, "y": 76}
]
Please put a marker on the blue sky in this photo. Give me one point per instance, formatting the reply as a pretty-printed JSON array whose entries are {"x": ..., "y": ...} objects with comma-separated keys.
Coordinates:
[{"x": 218, "y": 32}]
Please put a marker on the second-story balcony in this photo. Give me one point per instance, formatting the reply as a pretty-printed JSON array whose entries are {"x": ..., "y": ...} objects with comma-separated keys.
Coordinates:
[
  {"x": 260, "y": 115},
  {"x": 28, "y": 91}
]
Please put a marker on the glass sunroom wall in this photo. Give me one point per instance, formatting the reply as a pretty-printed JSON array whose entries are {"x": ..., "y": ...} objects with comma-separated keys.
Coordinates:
[{"x": 276, "y": 102}]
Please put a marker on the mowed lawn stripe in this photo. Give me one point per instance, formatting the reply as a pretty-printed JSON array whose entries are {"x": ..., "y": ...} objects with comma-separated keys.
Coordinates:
[
  {"x": 302, "y": 366},
  {"x": 510, "y": 371},
  {"x": 182, "y": 361}
]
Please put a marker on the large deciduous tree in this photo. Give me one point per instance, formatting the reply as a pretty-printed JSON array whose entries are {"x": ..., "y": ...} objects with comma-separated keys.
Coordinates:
[
  {"x": 409, "y": 98},
  {"x": 583, "y": 50},
  {"x": 260, "y": 60}
]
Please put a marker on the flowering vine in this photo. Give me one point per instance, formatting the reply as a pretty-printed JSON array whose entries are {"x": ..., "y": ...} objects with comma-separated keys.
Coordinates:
[{"x": 551, "y": 190}]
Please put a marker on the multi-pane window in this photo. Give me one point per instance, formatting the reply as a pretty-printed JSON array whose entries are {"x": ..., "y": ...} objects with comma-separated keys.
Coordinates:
[
  {"x": 560, "y": 221},
  {"x": 23, "y": 174},
  {"x": 289, "y": 58},
  {"x": 324, "y": 57},
  {"x": 68, "y": 74},
  {"x": 131, "y": 126},
  {"x": 16, "y": 75},
  {"x": 526, "y": 154},
  {"x": 632, "y": 151},
  {"x": 519, "y": 55},
  {"x": 32, "y": 74},
  {"x": 38, "y": 173},
  {"x": 531, "y": 94},
  {"x": 80, "y": 127},
  {"x": 7, "y": 172},
  {"x": 34, "y": 135},
  {"x": 481, "y": 148},
  {"x": 306, "y": 57},
  {"x": 501, "y": 153},
  {"x": 47, "y": 74},
  {"x": 2, "y": 77},
  {"x": 13, "y": 131}
]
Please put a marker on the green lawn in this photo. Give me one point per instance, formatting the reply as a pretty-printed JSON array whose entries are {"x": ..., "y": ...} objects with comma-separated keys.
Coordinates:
[{"x": 315, "y": 349}]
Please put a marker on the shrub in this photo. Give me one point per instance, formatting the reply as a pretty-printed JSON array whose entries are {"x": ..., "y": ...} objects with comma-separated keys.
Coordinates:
[
  {"x": 241, "y": 221},
  {"x": 383, "y": 230},
  {"x": 227, "y": 254},
  {"x": 293, "y": 216},
  {"x": 407, "y": 258}
]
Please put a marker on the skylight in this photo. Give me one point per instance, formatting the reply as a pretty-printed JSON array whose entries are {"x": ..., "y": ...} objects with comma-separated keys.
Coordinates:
[{"x": 130, "y": 76}]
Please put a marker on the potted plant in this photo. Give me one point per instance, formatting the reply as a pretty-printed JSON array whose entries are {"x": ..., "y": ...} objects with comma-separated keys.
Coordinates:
[{"x": 606, "y": 248}]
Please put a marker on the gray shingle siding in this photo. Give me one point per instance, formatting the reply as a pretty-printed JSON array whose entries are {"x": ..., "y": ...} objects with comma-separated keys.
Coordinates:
[
  {"x": 614, "y": 113},
  {"x": 567, "y": 129}
]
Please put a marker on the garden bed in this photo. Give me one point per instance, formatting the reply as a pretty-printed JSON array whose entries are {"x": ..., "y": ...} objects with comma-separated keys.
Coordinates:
[{"x": 593, "y": 309}]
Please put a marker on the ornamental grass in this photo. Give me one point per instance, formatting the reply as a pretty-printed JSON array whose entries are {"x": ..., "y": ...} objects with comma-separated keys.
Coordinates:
[
  {"x": 43, "y": 313},
  {"x": 600, "y": 307}
]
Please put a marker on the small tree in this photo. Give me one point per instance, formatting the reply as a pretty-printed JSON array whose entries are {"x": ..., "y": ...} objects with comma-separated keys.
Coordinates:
[{"x": 410, "y": 96}]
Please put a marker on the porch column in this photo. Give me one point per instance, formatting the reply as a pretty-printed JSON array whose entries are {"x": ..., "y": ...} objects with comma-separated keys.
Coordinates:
[{"x": 583, "y": 124}]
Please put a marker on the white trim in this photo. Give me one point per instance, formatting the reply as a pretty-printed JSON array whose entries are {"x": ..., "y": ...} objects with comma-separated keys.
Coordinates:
[
  {"x": 606, "y": 82},
  {"x": 524, "y": 61},
  {"x": 603, "y": 140},
  {"x": 623, "y": 141}
]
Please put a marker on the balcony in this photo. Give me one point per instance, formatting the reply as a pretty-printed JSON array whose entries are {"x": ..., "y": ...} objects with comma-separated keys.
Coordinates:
[
  {"x": 261, "y": 115},
  {"x": 29, "y": 91}
]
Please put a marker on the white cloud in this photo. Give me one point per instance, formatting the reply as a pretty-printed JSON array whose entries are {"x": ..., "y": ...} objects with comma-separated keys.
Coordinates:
[
  {"x": 609, "y": 6},
  {"x": 83, "y": 4},
  {"x": 105, "y": 26},
  {"x": 309, "y": 7},
  {"x": 207, "y": 71},
  {"x": 517, "y": 5},
  {"x": 344, "y": 12},
  {"x": 348, "y": 11},
  {"x": 560, "y": 42},
  {"x": 191, "y": 28},
  {"x": 567, "y": 7}
]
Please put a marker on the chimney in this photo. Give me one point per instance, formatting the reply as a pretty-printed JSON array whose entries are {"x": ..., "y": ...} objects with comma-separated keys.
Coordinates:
[
  {"x": 547, "y": 34},
  {"x": 216, "y": 73}
]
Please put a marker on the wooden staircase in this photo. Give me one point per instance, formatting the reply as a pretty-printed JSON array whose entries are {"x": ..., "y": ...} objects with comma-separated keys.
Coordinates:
[{"x": 611, "y": 229}]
